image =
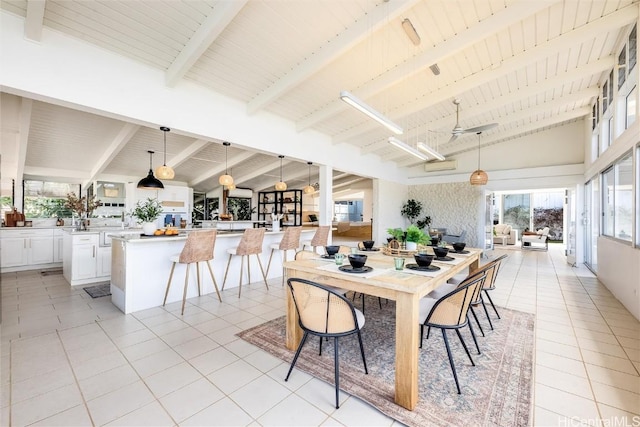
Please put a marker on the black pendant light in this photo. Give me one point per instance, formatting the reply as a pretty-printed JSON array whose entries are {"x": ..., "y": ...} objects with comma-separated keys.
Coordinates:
[{"x": 150, "y": 182}]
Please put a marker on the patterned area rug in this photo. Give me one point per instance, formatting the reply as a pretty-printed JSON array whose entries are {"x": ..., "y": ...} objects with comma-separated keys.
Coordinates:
[
  {"x": 98, "y": 291},
  {"x": 496, "y": 392}
]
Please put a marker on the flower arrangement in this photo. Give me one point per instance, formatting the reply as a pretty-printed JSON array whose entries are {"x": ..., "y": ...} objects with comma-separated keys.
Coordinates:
[
  {"x": 147, "y": 210},
  {"x": 80, "y": 205}
]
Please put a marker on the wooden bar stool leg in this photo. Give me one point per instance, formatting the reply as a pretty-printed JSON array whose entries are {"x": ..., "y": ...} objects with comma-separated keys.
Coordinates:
[
  {"x": 269, "y": 264},
  {"x": 166, "y": 293},
  {"x": 198, "y": 274},
  {"x": 224, "y": 281},
  {"x": 242, "y": 268},
  {"x": 213, "y": 278},
  {"x": 186, "y": 283},
  {"x": 264, "y": 277}
]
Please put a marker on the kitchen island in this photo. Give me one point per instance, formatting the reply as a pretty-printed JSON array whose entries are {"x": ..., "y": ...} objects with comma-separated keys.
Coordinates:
[{"x": 140, "y": 268}]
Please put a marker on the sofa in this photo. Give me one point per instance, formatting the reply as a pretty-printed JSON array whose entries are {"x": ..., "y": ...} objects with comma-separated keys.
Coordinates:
[{"x": 504, "y": 234}]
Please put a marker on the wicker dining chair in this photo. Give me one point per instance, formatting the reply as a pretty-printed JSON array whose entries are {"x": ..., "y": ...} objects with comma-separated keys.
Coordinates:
[
  {"x": 491, "y": 284},
  {"x": 290, "y": 241},
  {"x": 198, "y": 248},
  {"x": 324, "y": 313},
  {"x": 250, "y": 244},
  {"x": 489, "y": 269},
  {"x": 320, "y": 238},
  {"x": 450, "y": 312}
]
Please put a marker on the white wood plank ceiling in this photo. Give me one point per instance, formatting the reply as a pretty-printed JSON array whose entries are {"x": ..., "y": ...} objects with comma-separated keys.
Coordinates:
[{"x": 526, "y": 65}]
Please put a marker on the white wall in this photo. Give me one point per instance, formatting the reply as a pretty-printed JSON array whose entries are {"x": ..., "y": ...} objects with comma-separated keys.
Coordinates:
[
  {"x": 619, "y": 270},
  {"x": 388, "y": 198},
  {"x": 454, "y": 206}
]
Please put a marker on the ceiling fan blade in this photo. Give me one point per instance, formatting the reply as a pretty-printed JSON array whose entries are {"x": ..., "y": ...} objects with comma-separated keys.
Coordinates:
[
  {"x": 481, "y": 128},
  {"x": 453, "y": 138}
]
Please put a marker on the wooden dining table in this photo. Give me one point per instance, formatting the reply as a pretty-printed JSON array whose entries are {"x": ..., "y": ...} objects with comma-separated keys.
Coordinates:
[{"x": 405, "y": 287}]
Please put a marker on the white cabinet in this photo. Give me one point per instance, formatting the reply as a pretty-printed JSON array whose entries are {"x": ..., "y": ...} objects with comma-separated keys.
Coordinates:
[
  {"x": 58, "y": 245},
  {"x": 26, "y": 247},
  {"x": 13, "y": 253},
  {"x": 85, "y": 261},
  {"x": 104, "y": 261},
  {"x": 84, "y": 255}
]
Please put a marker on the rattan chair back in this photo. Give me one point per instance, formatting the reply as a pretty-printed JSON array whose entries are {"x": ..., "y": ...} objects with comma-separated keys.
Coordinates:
[
  {"x": 290, "y": 239},
  {"x": 451, "y": 310},
  {"x": 321, "y": 237},
  {"x": 306, "y": 255},
  {"x": 251, "y": 242},
  {"x": 321, "y": 310},
  {"x": 198, "y": 247}
]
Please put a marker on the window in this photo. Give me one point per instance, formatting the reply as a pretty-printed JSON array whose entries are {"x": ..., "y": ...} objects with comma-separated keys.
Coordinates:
[
  {"x": 6, "y": 196},
  {"x": 622, "y": 67},
  {"x": 46, "y": 199},
  {"x": 633, "y": 48},
  {"x": 617, "y": 203},
  {"x": 608, "y": 179},
  {"x": 605, "y": 96},
  {"x": 517, "y": 210},
  {"x": 631, "y": 107}
]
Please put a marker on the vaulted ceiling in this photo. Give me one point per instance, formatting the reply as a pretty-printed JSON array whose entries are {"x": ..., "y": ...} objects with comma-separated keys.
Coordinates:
[{"x": 525, "y": 65}]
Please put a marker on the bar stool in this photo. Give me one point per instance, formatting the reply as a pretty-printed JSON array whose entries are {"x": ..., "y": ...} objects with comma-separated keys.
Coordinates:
[
  {"x": 320, "y": 238},
  {"x": 198, "y": 248},
  {"x": 290, "y": 241},
  {"x": 250, "y": 244}
]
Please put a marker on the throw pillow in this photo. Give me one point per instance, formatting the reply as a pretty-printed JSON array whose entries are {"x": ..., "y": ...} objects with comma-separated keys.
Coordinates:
[
  {"x": 494, "y": 231},
  {"x": 313, "y": 218}
]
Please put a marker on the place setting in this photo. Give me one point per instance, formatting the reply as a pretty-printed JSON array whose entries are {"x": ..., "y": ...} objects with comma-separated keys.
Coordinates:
[
  {"x": 367, "y": 246},
  {"x": 356, "y": 265},
  {"x": 331, "y": 250},
  {"x": 422, "y": 266},
  {"x": 458, "y": 249}
]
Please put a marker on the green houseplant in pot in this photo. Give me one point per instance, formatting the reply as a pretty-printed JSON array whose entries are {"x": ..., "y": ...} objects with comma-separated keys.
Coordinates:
[
  {"x": 416, "y": 237},
  {"x": 146, "y": 212}
]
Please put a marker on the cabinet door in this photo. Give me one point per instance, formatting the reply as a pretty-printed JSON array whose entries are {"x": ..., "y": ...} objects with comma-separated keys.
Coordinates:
[
  {"x": 40, "y": 250},
  {"x": 14, "y": 252},
  {"x": 57, "y": 249},
  {"x": 104, "y": 262},
  {"x": 84, "y": 261}
]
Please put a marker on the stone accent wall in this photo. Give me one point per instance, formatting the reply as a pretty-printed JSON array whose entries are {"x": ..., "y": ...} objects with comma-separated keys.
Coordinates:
[{"x": 453, "y": 206}]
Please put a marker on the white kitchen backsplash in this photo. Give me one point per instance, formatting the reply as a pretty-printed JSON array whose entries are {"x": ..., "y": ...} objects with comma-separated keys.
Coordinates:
[{"x": 453, "y": 206}]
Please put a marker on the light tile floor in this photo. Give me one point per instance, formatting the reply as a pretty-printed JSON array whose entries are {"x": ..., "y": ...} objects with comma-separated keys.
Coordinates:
[{"x": 70, "y": 360}]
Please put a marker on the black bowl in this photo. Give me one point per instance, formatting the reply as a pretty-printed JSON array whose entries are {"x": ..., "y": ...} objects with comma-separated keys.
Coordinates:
[
  {"x": 332, "y": 250},
  {"x": 434, "y": 240},
  {"x": 368, "y": 244},
  {"x": 357, "y": 261},
  {"x": 459, "y": 246},
  {"x": 423, "y": 260},
  {"x": 440, "y": 252}
]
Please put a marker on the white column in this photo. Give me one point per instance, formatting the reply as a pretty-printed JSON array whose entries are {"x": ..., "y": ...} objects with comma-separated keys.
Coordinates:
[{"x": 326, "y": 195}]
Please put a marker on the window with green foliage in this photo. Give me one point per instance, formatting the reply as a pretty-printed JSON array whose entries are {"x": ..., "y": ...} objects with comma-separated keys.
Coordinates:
[{"x": 44, "y": 199}]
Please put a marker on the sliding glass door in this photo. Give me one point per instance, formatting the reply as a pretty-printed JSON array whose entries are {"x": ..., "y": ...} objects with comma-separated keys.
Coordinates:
[{"x": 591, "y": 222}]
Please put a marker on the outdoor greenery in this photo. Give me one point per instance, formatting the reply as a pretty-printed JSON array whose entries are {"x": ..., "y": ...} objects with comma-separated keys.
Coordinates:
[
  {"x": 241, "y": 208},
  {"x": 46, "y": 208},
  {"x": 550, "y": 217}
]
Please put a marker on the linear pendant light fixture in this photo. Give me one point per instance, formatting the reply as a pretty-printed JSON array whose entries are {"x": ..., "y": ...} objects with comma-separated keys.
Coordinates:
[
  {"x": 226, "y": 179},
  {"x": 281, "y": 185},
  {"x": 359, "y": 105},
  {"x": 410, "y": 31},
  {"x": 164, "y": 171},
  {"x": 309, "y": 188},
  {"x": 150, "y": 182},
  {"x": 430, "y": 151},
  {"x": 409, "y": 149}
]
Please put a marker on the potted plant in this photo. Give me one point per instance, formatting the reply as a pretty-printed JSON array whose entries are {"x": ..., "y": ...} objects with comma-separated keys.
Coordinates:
[
  {"x": 416, "y": 237},
  {"x": 412, "y": 210},
  {"x": 146, "y": 212}
]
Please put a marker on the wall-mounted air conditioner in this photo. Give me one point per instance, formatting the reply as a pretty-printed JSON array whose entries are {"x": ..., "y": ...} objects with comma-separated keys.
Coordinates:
[
  {"x": 441, "y": 166},
  {"x": 246, "y": 193}
]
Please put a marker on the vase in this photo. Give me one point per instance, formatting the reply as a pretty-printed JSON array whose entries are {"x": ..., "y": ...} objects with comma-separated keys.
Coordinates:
[
  {"x": 148, "y": 228},
  {"x": 412, "y": 246}
]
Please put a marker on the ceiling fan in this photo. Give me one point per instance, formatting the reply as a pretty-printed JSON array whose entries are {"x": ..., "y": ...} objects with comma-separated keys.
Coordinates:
[{"x": 458, "y": 130}]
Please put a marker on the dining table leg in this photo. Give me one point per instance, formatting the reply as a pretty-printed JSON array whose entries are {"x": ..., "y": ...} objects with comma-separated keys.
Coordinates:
[
  {"x": 293, "y": 332},
  {"x": 407, "y": 331}
]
